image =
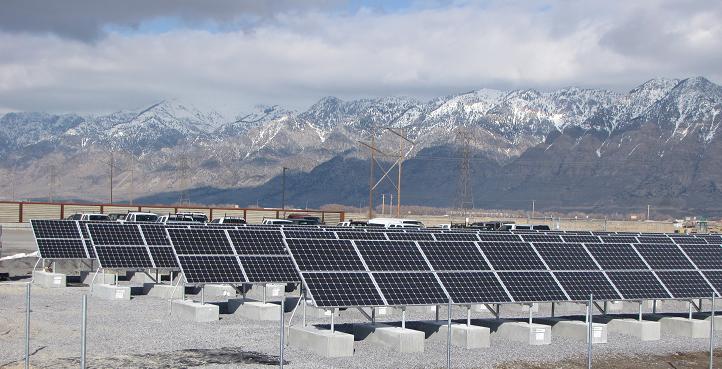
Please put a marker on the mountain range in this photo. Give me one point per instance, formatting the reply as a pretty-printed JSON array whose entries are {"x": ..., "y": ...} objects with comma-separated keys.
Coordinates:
[{"x": 571, "y": 149}]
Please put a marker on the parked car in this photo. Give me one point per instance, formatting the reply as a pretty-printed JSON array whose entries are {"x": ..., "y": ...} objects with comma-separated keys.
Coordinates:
[
  {"x": 176, "y": 218},
  {"x": 197, "y": 217},
  {"x": 116, "y": 216},
  {"x": 270, "y": 221},
  {"x": 137, "y": 216},
  {"x": 395, "y": 223},
  {"x": 229, "y": 220},
  {"x": 89, "y": 216},
  {"x": 512, "y": 227},
  {"x": 310, "y": 218}
]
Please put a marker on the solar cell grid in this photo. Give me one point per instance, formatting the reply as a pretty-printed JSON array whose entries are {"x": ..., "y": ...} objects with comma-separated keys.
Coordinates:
[
  {"x": 211, "y": 269},
  {"x": 391, "y": 255},
  {"x": 611, "y": 256},
  {"x": 414, "y": 236},
  {"x": 532, "y": 286},
  {"x": 474, "y": 287},
  {"x": 342, "y": 289},
  {"x": 410, "y": 288},
  {"x": 61, "y": 249},
  {"x": 663, "y": 256},
  {"x": 253, "y": 242},
  {"x": 565, "y": 256},
  {"x": 619, "y": 239},
  {"x": 654, "y": 239},
  {"x": 456, "y": 237},
  {"x": 581, "y": 238},
  {"x": 688, "y": 240},
  {"x": 269, "y": 269},
  {"x": 155, "y": 235},
  {"x": 505, "y": 237},
  {"x": 200, "y": 241},
  {"x": 163, "y": 257},
  {"x": 715, "y": 278},
  {"x": 325, "y": 255},
  {"x": 579, "y": 285},
  {"x": 638, "y": 285},
  {"x": 704, "y": 256},
  {"x": 315, "y": 234},
  {"x": 115, "y": 234},
  {"x": 55, "y": 229},
  {"x": 453, "y": 255},
  {"x": 511, "y": 256},
  {"x": 685, "y": 284},
  {"x": 123, "y": 257},
  {"x": 541, "y": 238},
  {"x": 361, "y": 235}
]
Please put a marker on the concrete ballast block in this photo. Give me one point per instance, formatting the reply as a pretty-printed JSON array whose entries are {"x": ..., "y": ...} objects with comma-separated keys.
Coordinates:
[
  {"x": 100, "y": 278},
  {"x": 397, "y": 338},
  {"x": 645, "y": 330},
  {"x": 255, "y": 310},
  {"x": 536, "y": 334},
  {"x": 693, "y": 328},
  {"x": 194, "y": 311},
  {"x": 111, "y": 292},
  {"x": 469, "y": 337},
  {"x": 321, "y": 341},
  {"x": 577, "y": 329},
  {"x": 48, "y": 279},
  {"x": 218, "y": 290},
  {"x": 717, "y": 322},
  {"x": 164, "y": 291}
]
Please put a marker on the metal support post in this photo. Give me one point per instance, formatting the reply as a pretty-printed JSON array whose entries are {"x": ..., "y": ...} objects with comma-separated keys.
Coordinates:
[
  {"x": 373, "y": 315},
  {"x": 305, "y": 302},
  {"x": 283, "y": 328},
  {"x": 403, "y": 317},
  {"x": 333, "y": 328},
  {"x": 589, "y": 331},
  {"x": 654, "y": 306},
  {"x": 264, "y": 293},
  {"x": 437, "y": 312},
  {"x": 468, "y": 316},
  {"x": 498, "y": 311},
  {"x": 690, "y": 311},
  {"x": 640, "y": 311},
  {"x": 605, "y": 308},
  {"x": 27, "y": 326},
  {"x": 203, "y": 295},
  {"x": 711, "y": 334},
  {"x": 83, "y": 331},
  {"x": 448, "y": 337},
  {"x": 553, "y": 305}
]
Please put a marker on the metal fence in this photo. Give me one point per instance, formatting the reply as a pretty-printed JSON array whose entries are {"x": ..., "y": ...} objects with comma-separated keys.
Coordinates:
[{"x": 22, "y": 211}]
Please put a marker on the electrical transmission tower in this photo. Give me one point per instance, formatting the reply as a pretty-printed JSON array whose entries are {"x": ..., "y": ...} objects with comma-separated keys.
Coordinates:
[
  {"x": 53, "y": 183},
  {"x": 184, "y": 169},
  {"x": 465, "y": 196}
]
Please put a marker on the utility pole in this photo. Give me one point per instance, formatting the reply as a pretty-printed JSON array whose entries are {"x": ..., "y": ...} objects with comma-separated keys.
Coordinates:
[
  {"x": 12, "y": 183},
  {"x": 53, "y": 182},
  {"x": 391, "y": 203},
  {"x": 398, "y": 185},
  {"x": 371, "y": 174},
  {"x": 112, "y": 169},
  {"x": 283, "y": 191},
  {"x": 465, "y": 197},
  {"x": 533, "y": 205},
  {"x": 184, "y": 173},
  {"x": 648, "y": 210},
  {"x": 383, "y": 204}
]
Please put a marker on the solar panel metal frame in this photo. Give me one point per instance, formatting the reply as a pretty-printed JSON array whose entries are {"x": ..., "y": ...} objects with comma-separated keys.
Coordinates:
[
  {"x": 86, "y": 248},
  {"x": 118, "y": 248}
]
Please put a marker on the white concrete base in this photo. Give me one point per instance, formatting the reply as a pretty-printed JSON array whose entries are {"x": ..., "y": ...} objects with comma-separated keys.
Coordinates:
[
  {"x": 645, "y": 330},
  {"x": 139, "y": 278},
  {"x": 213, "y": 291},
  {"x": 468, "y": 337},
  {"x": 321, "y": 341},
  {"x": 87, "y": 278},
  {"x": 318, "y": 313},
  {"x": 194, "y": 311},
  {"x": 717, "y": 322},
  {"x": 255, "y": 310},
  {"x": 539, "y": 334},
  {"x": 396, "y": 338},
  {"x": 614, "y": 306},
  {"x": 48, "y": 280},
  {"x": 111, "y": 292},
  {"x": 577, "y": 329},
  {"x": 534, "y": 308},
  {"x": 692, "y": 328},
  {"x": 164, "y": 291}
]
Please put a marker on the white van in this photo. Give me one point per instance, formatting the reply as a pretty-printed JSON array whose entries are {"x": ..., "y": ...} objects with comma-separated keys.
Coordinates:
[
  {"x": 276, "y": 222},
  {"x": 513, "y": 227},
  {"x": 395, "y": 223},
  {"x": 137, "y": 216}
]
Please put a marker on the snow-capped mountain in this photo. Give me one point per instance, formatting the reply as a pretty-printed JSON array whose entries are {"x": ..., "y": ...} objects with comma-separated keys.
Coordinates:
[{"x": 249, "y": 148}]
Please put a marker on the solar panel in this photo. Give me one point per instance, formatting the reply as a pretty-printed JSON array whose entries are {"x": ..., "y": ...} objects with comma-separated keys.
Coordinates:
[
  {"x": 663, "y": 256},
  {"x": 109, "y": 234},
  {"x": 638, "y": 285},
  {"x": 581, "y": 238},
  {"x": 541, "y": 238},
  {"x": 60, "y": 239},
  {"x": 253, "y": 242},
  {"x": 456, "y": 237},
  {"x": 619, "y": 239},
  {"x": 704, "y": 256},
  {"x": 361, "y": 235},
  {"x": 612, "y": 256},
  {"x": 689, "y": 240},
  {"x": 711, "y": 238},
  {"x": 200, "y": 241},
  {"x": 685, "y": 283},
  {"x": 499, "y": 237},
  {"x": 413, "y": 236},
  {"x": 163, "y": 257},
  {"x": 342, "y": 289},
  {"x": 474, "y": 287},
  {"x": 315, "y": 234},
  {"x": 453, "y": 255},
  {"x": 61, "y": 249},
  {"x": 532, "y": 286},
  {"x": 325, "y": 255},
  {"x": 391, "y": 255},
  {"x": 565, "y": 256},
  {"x": 715, "y": 278},
  {"x": 410, "y": 288},
  {"x": 55, "y": 229},
  {"x": 211, "y": 269},
  {"x": 119, "y": 245},
  {"x": 654, "y": 239},
  {"x": 155, "y": 234},
  {"x": 511, "y": 256},
  {"x": 269, "y": 268},
  {"x": 116, "y": 256},
  {"x": 579, "y": 285}
]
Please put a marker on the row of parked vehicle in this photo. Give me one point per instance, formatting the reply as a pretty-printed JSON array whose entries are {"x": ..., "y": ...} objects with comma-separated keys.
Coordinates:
[{"x": 189, "y": 217}]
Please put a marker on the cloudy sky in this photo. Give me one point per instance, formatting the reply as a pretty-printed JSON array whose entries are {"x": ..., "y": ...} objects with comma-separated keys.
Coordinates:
[{"x": 103, "y": 55}]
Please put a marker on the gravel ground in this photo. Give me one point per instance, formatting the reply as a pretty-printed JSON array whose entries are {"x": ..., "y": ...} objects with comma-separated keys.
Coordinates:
[{"x": 141, "y": 333}]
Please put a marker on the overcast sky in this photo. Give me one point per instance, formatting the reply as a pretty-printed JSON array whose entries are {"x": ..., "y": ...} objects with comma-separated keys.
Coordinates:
[{"x": 93, "y": 56}]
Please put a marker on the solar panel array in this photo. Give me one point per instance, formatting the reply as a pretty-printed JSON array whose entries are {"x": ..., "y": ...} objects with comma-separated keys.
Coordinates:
[
  {"x": 60, "y": 239},
  {"x": 126, "y": 246}
]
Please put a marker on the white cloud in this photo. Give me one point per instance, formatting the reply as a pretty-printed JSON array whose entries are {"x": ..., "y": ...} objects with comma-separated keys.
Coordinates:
[{"x": 423, "y": 52}]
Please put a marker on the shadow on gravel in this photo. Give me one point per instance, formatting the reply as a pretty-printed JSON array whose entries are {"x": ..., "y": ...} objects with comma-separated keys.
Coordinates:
[{"x": 175, "y": 359}]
